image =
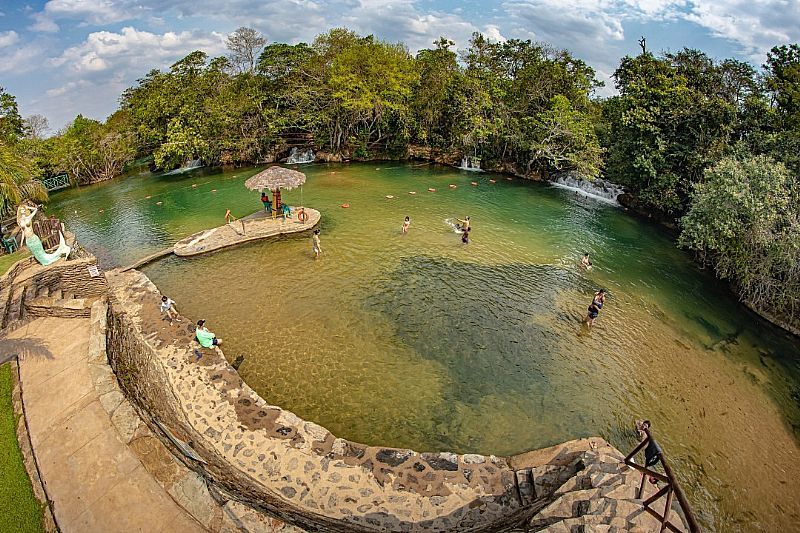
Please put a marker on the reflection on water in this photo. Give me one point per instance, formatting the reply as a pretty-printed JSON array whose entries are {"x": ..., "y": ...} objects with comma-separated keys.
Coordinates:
[{"x": 418, "y": 341}]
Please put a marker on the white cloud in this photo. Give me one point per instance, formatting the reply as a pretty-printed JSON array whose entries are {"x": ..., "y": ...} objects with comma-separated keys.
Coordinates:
[
  {"x": 20, "y": 60},
  {"x": 7, "y": 38},
  {"x": 134, "y": 51},
  {"x": 754, "y": 25}
]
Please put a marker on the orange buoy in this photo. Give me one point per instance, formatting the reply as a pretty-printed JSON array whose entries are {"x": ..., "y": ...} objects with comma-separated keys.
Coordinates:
[
  {"x": 431, "y": 189},
  {"x": 194, "y": 185},
  {"x": 412, "y": 192},
  {"x": 389, "y": 196},
  {"x": 474, "y": 183},
  {"x": 100, "y": 210},
  {"x": 509, "y": 179},
  {"x": 492, "y": 181},
  {"x": 159, "y": 203},
  {"x": 147, "y": 197},
  {"x": 452, "y": 185},
  {"x": 213, "y": 190},
  {"x": 345, "y": 205}
]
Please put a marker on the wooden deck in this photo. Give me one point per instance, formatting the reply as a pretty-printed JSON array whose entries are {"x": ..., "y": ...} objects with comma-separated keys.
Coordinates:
[{"x": 250, "y": 228}]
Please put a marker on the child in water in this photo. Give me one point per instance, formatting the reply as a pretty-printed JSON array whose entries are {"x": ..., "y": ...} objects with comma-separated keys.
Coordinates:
[
  {"x": 585, "y": 263},
  {"x": 406, "y": 224},
  {"x": 315, "y": 245}
]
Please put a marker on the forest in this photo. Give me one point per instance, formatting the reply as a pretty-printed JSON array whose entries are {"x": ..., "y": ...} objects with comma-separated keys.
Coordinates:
[{"x": 711, "y": 146}]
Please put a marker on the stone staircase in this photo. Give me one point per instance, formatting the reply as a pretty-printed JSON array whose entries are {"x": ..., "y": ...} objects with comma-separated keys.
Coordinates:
[
  {"x": 600, "y": 497},
  {"x": 29, "y": 297}
]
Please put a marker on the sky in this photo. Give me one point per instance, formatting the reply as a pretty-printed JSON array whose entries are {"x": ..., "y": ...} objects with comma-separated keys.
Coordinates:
[{"x": 65, "y": 57}]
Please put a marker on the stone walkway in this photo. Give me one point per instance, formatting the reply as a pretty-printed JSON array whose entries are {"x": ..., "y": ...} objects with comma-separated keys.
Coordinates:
[
  {"x": 250, "y": 228},
  {"x": 95, "y": 481}
]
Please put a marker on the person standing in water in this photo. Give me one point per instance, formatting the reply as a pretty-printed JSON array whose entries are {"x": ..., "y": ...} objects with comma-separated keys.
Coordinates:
[
  {"x": 594, "y": 308},
  {"x": 406, "y": 224},
  {"x": 464, "y": 224},
  {"x": 465, "y": 236},
  {"x": 585, "y": 263},
  {"x": 315, "y": 245}
]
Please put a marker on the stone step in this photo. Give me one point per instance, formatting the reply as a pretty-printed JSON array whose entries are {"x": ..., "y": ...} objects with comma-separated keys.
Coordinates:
[
  {"x": 44, "y": 290},
  {"x": 67, "y": 296},
  {"x": 568, "y": 505},
  {"x": 56, "y": 294}
]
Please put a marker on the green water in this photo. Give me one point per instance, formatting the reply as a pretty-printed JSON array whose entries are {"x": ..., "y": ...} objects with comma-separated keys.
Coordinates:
[{"x": 419, "y": 341}]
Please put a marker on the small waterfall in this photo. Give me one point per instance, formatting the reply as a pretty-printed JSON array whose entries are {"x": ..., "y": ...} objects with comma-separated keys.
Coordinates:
[
  {"x": 297, "y": 157},
  {"x": 472, "y": 164},
  {"x": 190, "y": 164},
  {"x": 599, "y": 189}
]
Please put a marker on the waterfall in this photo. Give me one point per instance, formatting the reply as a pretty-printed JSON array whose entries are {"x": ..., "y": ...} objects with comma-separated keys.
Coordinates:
[
  {"x": 598, "y": 189},
  {"x": 472, "y": 164},
  {"x": 190, "y": 164},
  {"x": 296, "y": 157}
]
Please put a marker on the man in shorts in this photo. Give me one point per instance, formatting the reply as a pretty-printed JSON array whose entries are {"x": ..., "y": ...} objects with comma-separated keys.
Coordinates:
[{"x": 205, "y": 337}]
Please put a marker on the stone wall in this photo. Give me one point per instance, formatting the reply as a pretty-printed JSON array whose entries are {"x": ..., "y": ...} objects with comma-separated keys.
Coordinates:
[{"x": 278, "y": 463}]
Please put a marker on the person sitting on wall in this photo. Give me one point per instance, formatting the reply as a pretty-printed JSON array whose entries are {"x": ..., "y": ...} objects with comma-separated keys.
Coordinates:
[{"x": 205, "y": 337}]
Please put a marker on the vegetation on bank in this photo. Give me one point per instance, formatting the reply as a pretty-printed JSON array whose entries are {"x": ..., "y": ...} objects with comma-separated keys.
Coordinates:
[
  {"x": 684, "y": 128},
  {"x": 19, "y": 509}
]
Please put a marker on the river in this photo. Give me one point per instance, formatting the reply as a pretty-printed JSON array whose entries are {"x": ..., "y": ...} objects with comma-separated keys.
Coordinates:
[{"x": 420, "y": 341}]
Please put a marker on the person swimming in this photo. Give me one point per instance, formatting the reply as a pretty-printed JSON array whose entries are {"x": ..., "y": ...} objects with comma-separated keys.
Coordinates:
[{"x": 406, "y": 224}]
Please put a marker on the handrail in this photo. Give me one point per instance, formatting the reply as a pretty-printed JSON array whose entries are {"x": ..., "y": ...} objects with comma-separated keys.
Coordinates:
[{"x": 654, "y": 455}]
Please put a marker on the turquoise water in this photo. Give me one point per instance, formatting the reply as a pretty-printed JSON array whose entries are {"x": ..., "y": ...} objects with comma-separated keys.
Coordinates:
[{"x": 419, "y": 341}]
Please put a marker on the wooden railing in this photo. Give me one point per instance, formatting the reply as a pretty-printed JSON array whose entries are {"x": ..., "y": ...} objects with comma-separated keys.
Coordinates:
[{"x": 654, "y": 455}]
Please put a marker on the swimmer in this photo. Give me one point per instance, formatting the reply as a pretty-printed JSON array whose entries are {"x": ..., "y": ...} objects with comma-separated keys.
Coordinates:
[
  {"x": 599, "y": 298},
  {"x": 464, "y": 223},
  {"x": 585, "y": 263},
  {"x": 406, "y": 224},
  {"x": 315, "y": 245},
  {"x": 465, "y": 236}
]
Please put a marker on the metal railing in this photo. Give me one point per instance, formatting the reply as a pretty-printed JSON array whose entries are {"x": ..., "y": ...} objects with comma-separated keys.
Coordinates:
[
  {"x": 653, "y": 456},
  {"x": 54, "y": 183}
]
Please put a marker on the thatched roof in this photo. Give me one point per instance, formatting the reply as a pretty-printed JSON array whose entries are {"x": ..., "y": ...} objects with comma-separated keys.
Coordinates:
[{"x": 275, "y": 177}]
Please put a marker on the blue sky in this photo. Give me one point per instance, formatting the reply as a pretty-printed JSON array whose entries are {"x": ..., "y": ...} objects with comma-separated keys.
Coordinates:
[{"x": 64, "y": 57}]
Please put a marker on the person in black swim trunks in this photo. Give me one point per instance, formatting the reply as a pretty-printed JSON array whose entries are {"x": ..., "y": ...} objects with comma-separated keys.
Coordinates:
[{"x": 594, "y": 308}]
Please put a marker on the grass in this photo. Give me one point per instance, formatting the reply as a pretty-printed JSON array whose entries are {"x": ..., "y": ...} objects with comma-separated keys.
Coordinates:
[
  {"x": 7, "y": 260},
  {"x": 20, "y": 511}
]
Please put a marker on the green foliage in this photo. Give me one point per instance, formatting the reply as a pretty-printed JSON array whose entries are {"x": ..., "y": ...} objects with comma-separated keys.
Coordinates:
[
  {"x": 11, "y": 123},
  {"x": 19, "y": 509},
  {"x": 745, "y": 219},
  {"x": 16, "y": 180}
]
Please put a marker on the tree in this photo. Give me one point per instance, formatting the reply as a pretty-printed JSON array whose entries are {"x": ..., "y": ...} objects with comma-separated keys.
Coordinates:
[
  {"x": 783, "y": 82},
  {"x": 36, "y": 126},
  {"x": 745, "y": 220},
  {"x": 16, "y": 180},
  {"x": 11, "y": 124},
  {"x": 244, "y": 45}
]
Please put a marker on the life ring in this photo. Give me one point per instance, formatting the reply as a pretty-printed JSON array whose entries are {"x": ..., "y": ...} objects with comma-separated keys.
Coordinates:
[
  {"x": 345, "y": 205},
  {"x": 302, "y": 216}
]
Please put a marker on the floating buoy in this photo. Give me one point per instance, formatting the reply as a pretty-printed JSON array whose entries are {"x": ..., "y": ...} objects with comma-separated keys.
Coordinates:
[
  {"x": 194, "y": 185},
  {"x": 213, "y": 190},
  {"x": 147, "y": 197},
  {"x": 452, "y": 185},
  {"x": 474, "y": 183},
  {"x": 100, "y": 210},
  {"x": 333, "y": 172},
  {"x": 492, "y": 181},
  {"x": 389, "y": 196},
  {"x": 412, "y": 192},
  {"x": 159, "y": 203},
  {"x": 378, "y": 168},
  {"x": 431, "y": 189},
  {"x": 509, "y": 179},
  {"x": 345, "y": 205}
]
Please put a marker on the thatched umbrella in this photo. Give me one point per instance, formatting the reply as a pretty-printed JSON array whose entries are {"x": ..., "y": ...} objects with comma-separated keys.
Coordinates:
[{"x": 275, "y": 178}]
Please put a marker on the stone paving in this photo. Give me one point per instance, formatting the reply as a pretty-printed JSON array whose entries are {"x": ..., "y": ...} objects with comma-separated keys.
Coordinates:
[
  {"x": 253, "y": 227},
  {"x": 96, "y": 483}
]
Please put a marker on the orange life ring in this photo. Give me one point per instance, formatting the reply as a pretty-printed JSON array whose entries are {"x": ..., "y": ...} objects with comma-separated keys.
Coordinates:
[
  {"x": 345, "y": 205},
  {"x": 302, "y": 216}
]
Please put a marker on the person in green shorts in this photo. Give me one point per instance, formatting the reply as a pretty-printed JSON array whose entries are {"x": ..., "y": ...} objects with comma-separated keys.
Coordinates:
[{"x": 205, "y": 337}]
